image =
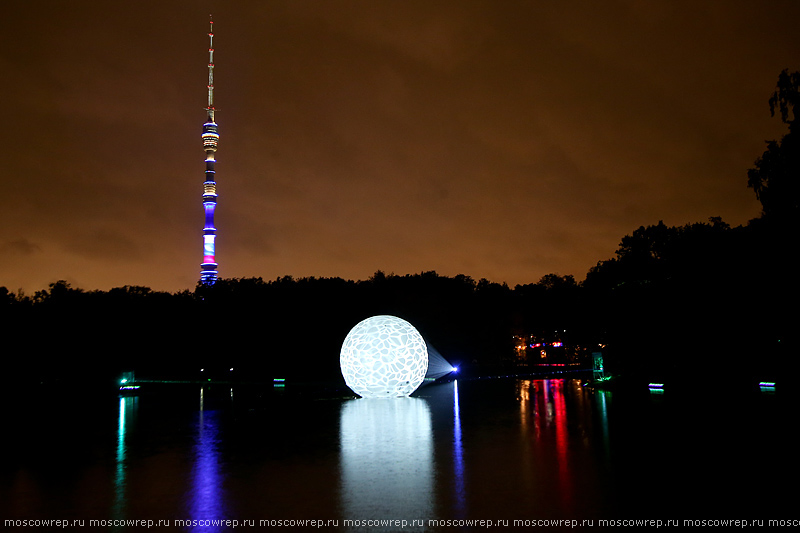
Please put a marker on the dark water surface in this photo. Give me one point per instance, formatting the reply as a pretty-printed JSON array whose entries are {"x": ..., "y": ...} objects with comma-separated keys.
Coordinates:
[{"x": 500, "y": 449}]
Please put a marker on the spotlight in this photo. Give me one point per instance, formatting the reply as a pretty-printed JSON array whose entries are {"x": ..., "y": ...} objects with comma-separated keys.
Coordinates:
[{"x": 454, "y": 369}]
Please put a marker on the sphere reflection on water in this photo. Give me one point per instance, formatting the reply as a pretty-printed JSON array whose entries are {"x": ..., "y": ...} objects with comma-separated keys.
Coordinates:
[{"x": 386, "y": 458}]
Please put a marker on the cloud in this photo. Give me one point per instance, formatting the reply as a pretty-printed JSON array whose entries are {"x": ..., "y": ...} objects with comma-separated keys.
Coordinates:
[
  {"x": 105, "y": 244},
  {"x": 19, "y": 247}
]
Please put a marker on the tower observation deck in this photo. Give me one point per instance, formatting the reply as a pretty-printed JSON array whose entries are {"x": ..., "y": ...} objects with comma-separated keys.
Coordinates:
[{"x": 208, "y": 272}]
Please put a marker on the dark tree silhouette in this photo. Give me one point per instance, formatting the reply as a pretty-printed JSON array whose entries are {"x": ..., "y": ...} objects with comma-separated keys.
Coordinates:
[
  {"x": 786, "y": 96},
  {"x": 776, "y": 175}
]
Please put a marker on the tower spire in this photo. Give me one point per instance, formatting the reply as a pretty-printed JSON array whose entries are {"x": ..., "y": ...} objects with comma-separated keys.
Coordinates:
[
  {"x": 208, "y": 272},
  {"x": 210, "y": 107}
]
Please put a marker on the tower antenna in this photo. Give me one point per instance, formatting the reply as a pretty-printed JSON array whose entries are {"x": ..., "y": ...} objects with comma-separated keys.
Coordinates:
[
  {"x": 210, "y": 107},
  {"x": 208, "y": 272}
]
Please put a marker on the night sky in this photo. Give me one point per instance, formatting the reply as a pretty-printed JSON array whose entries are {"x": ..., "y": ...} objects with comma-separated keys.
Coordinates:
[{"x": 498, "y": 139}]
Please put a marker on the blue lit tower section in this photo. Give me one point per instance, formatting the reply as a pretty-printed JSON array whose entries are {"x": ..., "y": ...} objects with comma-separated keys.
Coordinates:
[{"x": 208, "y": 272}]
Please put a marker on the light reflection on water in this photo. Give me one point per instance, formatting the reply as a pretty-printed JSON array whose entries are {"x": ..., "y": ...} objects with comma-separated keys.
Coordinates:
[
  {"x": 544, "y": 402},
  {"x": 207, "y": 498},
  {"x": 125, "y": 418},
  {"x": 603, "y": 399},
  {"x": 458, "y": 457},
  {"x": 466, "y": 449},
  {"x": 386, "y": 459}
]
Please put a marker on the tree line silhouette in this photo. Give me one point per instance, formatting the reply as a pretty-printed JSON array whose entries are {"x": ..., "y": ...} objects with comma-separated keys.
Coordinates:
[{"x": 703, "y": 299}]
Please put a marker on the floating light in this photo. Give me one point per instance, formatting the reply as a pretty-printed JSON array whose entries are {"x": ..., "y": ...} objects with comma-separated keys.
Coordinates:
[{"x": 383, "y": 357}]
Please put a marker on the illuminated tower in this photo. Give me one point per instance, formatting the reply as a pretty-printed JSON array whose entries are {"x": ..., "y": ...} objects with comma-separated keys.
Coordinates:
[{"x": 208, "y": 272}]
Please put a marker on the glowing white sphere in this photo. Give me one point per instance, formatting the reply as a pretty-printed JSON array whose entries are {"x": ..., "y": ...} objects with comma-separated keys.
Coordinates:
[{"x": 383, "y": 357}]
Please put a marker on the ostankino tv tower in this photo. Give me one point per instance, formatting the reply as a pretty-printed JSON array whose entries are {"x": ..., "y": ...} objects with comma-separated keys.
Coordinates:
[{"x": 208, "y": 272}]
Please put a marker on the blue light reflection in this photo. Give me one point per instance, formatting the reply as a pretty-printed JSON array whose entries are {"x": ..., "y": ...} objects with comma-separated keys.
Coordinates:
[
  {"x": 207, "y": 492},
  {"x": 458, "y": 456}
]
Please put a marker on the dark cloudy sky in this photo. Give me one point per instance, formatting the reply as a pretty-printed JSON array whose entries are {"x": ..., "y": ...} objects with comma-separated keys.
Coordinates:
[{"x": 498, "y": 139}]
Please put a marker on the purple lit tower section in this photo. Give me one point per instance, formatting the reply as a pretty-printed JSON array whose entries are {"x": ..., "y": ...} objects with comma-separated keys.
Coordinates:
[{"x": 208, "y": 272}]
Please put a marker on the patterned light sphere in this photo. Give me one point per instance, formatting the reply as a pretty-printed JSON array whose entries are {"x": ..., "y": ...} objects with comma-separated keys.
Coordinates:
[{"x": 383, "y": 357}]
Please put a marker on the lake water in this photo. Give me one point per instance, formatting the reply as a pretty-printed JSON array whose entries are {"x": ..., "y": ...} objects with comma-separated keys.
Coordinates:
[{"x": 483, "y": 449}]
